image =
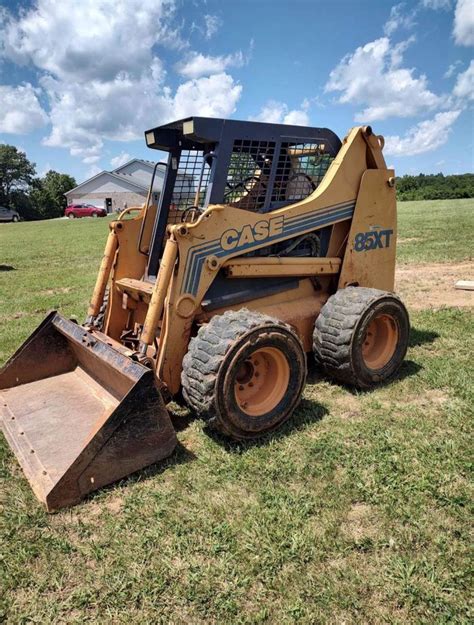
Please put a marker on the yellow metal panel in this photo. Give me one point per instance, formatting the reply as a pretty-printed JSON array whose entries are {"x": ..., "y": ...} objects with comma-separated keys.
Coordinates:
[
  {"x": 224, "y": 232},
  {"x": 369, "y": 259},
  {"x": 278, "y": 267}
]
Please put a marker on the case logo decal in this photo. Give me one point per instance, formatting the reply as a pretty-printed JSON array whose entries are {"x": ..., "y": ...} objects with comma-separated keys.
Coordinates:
[{"x": 234, "y": 239}]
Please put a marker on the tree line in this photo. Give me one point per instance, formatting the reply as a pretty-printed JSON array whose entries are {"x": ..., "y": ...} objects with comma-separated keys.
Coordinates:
[
  {"x": 32, "y": 196},
  {"x": 435, "y": 187}
]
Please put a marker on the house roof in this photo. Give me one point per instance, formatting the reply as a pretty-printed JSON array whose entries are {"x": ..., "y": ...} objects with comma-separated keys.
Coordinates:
[
  {"x": 149, "y": 164},
  {"x": 132, "y": 180},
  {"x": 122, "y": 177}
]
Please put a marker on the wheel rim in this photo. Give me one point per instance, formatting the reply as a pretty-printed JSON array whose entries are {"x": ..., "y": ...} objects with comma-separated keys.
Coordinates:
[
  {"x": 380, "y": 341},
  {"x": 262, "y": 381}
]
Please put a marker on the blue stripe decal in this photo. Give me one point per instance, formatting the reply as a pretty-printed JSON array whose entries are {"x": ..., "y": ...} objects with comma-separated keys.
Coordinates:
[
  {"x": 195, "y": 266},
  {"x": 317, "y": 218},
  {"x": 320, "y": 213}
]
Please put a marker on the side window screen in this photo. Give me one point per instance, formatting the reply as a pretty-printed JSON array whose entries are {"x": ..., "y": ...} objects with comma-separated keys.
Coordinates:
[
  {"x": 191, "y": 184},
  {"x": 301, "y": 167},
  {"x": 248, "y": 174}
]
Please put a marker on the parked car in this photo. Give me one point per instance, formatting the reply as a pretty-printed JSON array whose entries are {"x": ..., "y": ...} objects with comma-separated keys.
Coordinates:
[
  {"x": 7, "y": 214},
  {"x": 84, "y": 210}
]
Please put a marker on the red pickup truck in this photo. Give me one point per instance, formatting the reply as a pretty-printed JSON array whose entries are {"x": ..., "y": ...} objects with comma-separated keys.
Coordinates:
[{"x": 84, "y": 210}]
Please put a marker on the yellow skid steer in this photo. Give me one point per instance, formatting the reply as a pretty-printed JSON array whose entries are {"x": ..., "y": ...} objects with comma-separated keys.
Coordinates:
[{"x": 268, "y": 243}]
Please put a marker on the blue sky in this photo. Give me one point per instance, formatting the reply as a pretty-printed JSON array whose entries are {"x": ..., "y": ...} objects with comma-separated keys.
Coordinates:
[{"x": 81, "y": 81}]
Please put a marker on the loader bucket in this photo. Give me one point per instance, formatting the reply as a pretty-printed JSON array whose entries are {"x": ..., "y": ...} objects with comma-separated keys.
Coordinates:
[{"x": 79, "y": 414}]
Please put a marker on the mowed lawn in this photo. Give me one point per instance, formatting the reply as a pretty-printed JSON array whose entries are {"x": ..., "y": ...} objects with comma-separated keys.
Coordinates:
[{"x": 358, "y": 511}]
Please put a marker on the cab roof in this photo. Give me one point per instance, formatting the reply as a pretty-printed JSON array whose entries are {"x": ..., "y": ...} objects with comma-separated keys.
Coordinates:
[{"x": 201, "y": 132}]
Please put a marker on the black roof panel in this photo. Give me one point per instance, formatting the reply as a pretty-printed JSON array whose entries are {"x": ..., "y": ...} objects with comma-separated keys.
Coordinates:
[{"x": 193, "y": 132}]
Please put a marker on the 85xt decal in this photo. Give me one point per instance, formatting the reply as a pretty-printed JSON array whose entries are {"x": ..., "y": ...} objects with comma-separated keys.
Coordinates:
[{"x": 372, "y": 240}]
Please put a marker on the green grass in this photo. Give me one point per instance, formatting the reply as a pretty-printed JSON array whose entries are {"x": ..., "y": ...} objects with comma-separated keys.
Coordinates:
[
  {"x": 357, "y": 511},
  {"x": 436, "y": 230}
]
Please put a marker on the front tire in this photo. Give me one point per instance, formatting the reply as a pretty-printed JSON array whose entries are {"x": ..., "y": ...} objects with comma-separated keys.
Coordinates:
[
  {"x": 361, "y": 336},
  {"x": 245, "y": 370},
  {"x": 15, "y": 219},
  {"x": 71, "y": 216}
]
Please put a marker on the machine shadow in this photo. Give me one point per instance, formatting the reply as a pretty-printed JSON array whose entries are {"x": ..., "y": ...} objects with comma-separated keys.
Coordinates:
[
  {"x": 180, "y": 455},
  {"x": 308, "y": 412},
  {"x": 7, "y": 268},
  {"x": 408, "y": 369},
  {"x": 421, "y": 337}
]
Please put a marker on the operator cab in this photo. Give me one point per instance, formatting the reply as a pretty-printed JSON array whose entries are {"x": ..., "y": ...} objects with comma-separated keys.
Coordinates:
[{"x": 249, "y": 165}]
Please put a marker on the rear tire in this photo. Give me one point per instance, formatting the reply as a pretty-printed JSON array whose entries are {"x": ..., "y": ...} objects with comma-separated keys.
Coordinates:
[
  {"x": 245, "y": 370},
  {"x": 15, "y": 219},
  {"x": 361, "y": 336}
]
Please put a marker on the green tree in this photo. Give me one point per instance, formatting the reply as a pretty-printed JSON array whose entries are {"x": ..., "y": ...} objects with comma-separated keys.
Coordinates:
[
  {"x": 47, "y": 195},
  {"x": 435, "y": 187},
  {"x": 16, "y": 173}
]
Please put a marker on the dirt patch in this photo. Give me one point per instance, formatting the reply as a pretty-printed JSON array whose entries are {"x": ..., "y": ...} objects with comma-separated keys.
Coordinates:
[
  {"x": 115, "y": 504},
  {"x": 432, "y": 400},
  {"x": 407, "y": 240},
  {"x": 19, "y": 315},
  {"x": 360, "y": 523},
  {"x": 59, "y": 291},
  {"x": 432, "y": 285},
  {"x": 431, "y": 397},
  {"x": 347, "y": 406}
]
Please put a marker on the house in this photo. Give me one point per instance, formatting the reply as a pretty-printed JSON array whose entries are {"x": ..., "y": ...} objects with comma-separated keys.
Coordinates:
[{"x": 121, "y": 188}]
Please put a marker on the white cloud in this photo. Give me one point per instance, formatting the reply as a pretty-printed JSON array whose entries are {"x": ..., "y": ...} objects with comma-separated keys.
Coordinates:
[
  {"x": 399, "y": 19},
  {"x": 119, "y": 160},
  {"x": 104, "y": 80},
  {"x": 123, "y": 109},
  {"x": 208, "y": 27},
  {"x": 372, "y": 77},
  {"x": 275, "y": 112},
  {"x": 197, "y": 64},
  {"x": 88, "y": 160},
  {"x": 87, "y": 40},
  {"x": 20, "y": 109},
  {"x": 212, "y": 24},
  {"x": 426, "y": 136},
  {"x": 464, "y": 87},
  {"x": 436, "y": 5},
  {"x": 212, "y": 96},
  {"x": 93, "y": 171},
  {"x": 451, "y": 69},
  {"x": 464, "y": 23}
]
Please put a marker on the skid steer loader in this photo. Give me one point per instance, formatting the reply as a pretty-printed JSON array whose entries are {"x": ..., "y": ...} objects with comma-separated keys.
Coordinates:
[{"x": 268, "y": 242}]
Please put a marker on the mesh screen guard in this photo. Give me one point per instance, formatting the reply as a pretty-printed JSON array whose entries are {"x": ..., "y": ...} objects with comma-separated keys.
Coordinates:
[{"x": 192, "y": 176}]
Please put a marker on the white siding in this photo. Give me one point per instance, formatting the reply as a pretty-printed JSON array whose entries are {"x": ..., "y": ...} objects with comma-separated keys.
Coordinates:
[{"x": 105, "y": 183}]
